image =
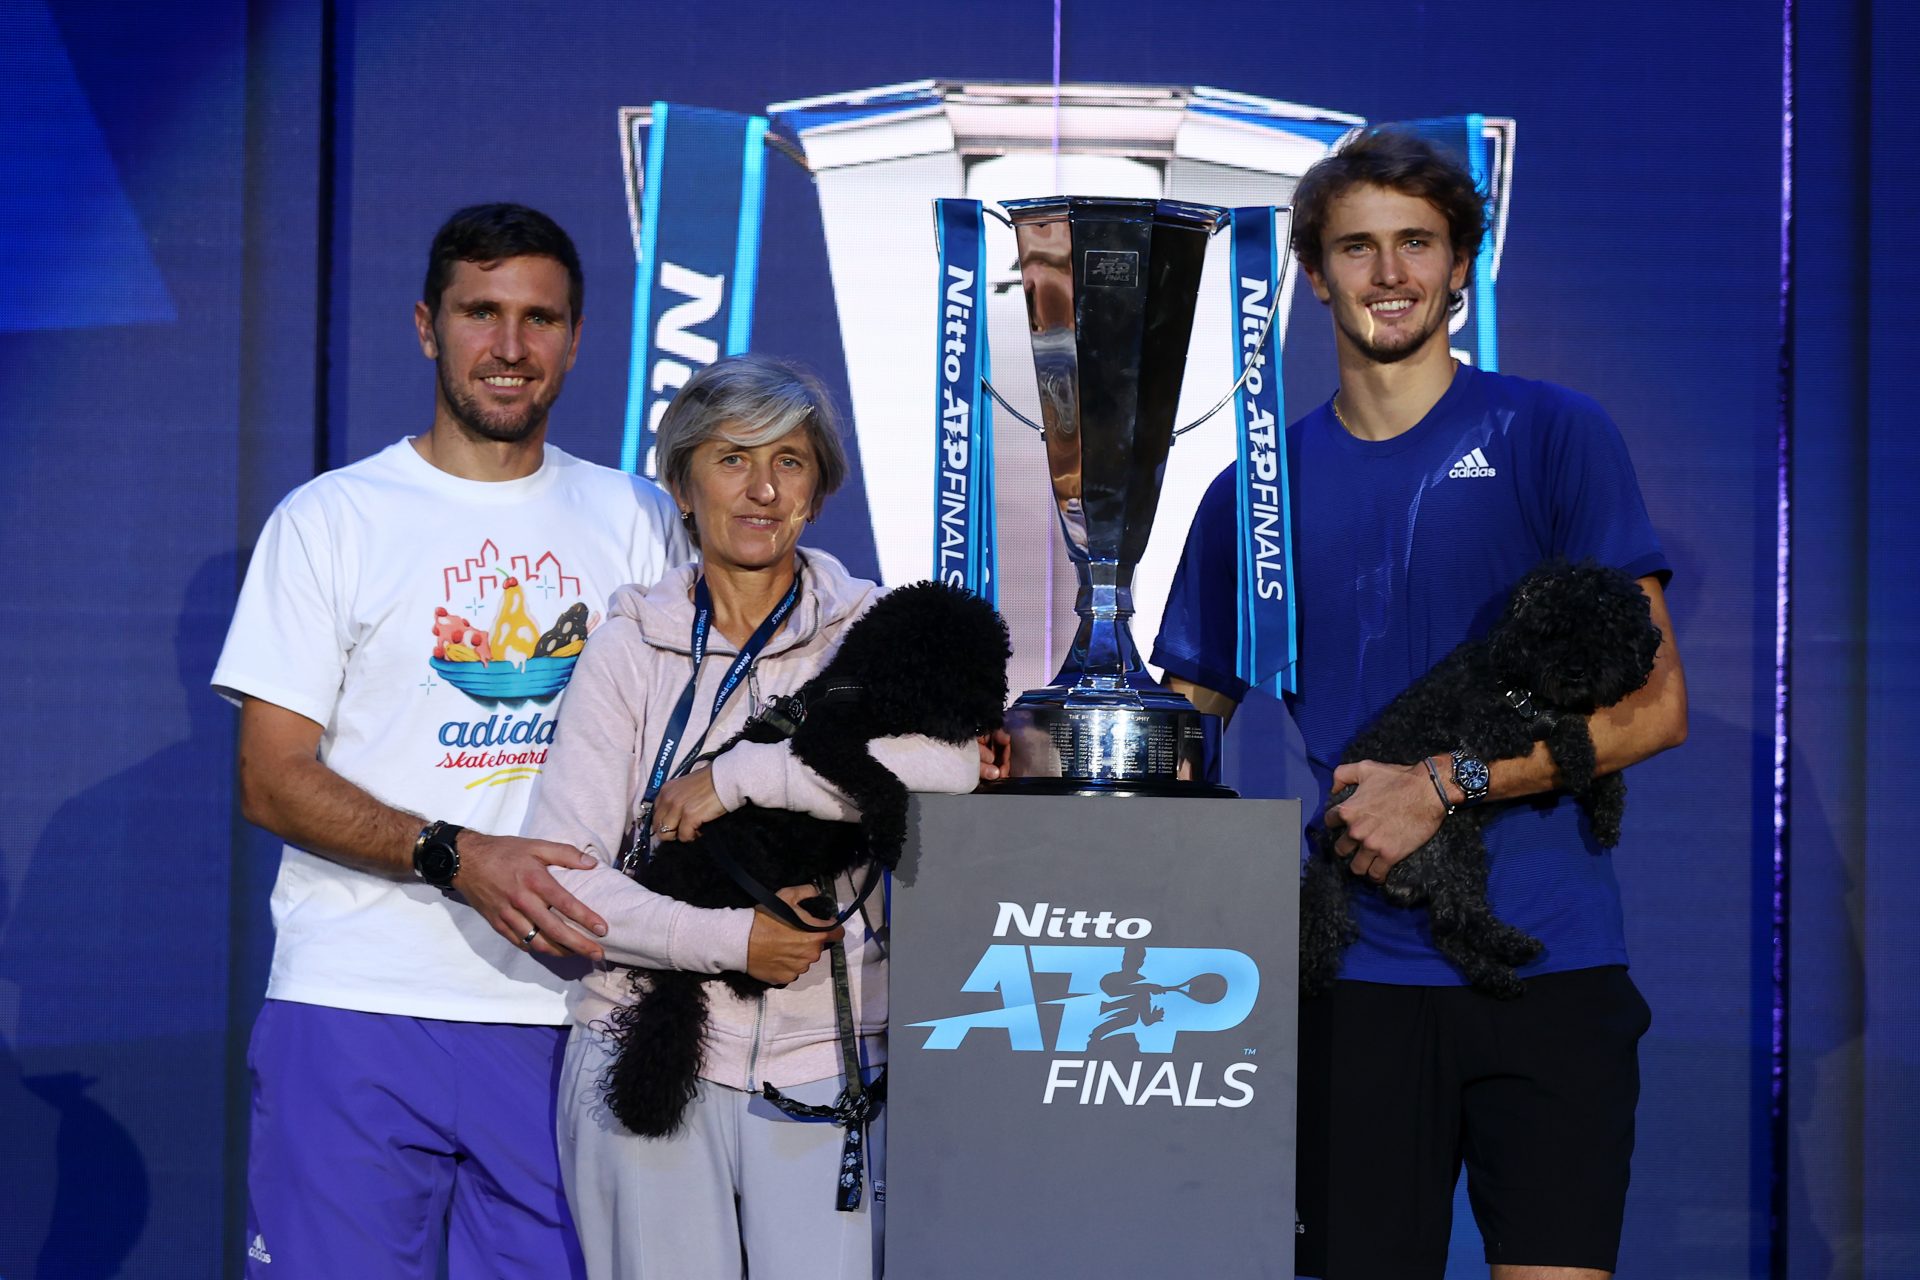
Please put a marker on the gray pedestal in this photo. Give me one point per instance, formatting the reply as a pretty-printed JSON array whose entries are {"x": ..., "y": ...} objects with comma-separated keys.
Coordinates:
[{"x": 1092, "y": 1039}]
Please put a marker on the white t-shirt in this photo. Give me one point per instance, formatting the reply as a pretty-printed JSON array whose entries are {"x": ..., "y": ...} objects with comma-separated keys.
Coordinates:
[{"x": 428, "y": 624}]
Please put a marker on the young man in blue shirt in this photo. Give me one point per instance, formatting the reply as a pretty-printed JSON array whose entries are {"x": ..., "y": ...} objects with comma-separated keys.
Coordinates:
[{"x": 1423, "y": 491}]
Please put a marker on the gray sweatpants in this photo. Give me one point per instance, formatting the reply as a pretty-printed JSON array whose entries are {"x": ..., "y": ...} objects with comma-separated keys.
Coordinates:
[{"x": 741, "y": 1187}]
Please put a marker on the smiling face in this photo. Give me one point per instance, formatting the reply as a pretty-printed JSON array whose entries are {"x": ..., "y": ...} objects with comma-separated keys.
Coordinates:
[
  {"x": 749, "y": 502},
  {"x": 503, "y": 341},
  {"x": 1388, "y": 273}
]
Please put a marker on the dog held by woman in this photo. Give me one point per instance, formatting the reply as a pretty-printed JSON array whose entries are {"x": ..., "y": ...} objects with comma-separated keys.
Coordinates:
[
  {"x": 926, "y": 659},
  {"x": 1573, "y": 639}
]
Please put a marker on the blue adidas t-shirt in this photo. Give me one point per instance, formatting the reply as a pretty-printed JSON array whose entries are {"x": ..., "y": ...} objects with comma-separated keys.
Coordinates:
[{"x": 1403, "y": 548}]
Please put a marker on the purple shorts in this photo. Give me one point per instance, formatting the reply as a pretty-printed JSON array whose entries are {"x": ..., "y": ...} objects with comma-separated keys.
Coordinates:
[{"x": 375, "y": 1136}]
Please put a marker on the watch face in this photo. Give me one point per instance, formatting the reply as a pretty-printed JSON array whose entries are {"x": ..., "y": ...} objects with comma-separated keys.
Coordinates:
[
  {"x": 436, "y": 861},
  {"x": 1470, "y": 775}
]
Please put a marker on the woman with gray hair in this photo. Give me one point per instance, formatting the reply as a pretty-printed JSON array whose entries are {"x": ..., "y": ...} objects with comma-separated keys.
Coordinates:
[{"x": 749, "y": 449}]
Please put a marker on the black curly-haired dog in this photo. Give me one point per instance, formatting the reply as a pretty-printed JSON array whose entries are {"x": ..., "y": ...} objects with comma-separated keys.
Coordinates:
[
  {"x": 926, "y": 659},
  {"x": 1573, "y": 639}
]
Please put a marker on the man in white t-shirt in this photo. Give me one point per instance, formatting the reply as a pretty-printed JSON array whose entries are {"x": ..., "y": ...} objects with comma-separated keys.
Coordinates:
[{"x": 398, "y": 653}]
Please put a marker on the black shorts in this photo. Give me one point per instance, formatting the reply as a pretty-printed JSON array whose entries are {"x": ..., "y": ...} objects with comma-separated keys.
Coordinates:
[{"x": 1400, "y": 1085}]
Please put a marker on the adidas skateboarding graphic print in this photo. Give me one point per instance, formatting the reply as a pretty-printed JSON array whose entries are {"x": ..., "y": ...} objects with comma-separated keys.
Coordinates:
[{"x": 1472, "y": 466}]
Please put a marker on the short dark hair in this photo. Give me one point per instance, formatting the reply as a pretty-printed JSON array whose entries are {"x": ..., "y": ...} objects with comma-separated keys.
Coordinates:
[
  {"x": 492, "y": 233},
  {"x": 1400, "y": 160}
]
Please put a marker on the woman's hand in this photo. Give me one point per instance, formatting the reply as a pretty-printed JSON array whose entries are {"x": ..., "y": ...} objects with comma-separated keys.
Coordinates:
[
  {"x": 996, "y": 755},
  {"x": 685, "y": 805},
  {"x": 777, "y": 952}
]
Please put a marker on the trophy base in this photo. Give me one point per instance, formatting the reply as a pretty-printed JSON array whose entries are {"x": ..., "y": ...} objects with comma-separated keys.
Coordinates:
[
  {"x": 1109, "y": 787},
  {"x": 1078, "y": 742}
]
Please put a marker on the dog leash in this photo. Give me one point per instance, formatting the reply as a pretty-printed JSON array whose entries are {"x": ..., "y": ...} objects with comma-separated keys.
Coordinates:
[
  {"x": 853, "y": 1110},
  {"x": 858, "y": 1102},
  {"x": 778, "y": 906},
  {"x": 778, "y": 721}
]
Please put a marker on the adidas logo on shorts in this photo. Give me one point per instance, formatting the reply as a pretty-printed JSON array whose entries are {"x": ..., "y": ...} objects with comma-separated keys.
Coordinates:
[
  {"x": 1474, "y": 464},
  {"x": 258, "y": 1250}
]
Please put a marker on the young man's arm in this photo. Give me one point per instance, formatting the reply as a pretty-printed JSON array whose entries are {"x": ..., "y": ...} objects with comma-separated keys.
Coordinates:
[
  {"x": 286, "y": 789},
  {"x": 1394, "y": 809},
  {"x": 1204, "y": 699}
]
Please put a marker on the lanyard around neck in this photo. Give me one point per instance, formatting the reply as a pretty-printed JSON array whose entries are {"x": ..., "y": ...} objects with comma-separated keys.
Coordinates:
[{"x": 683, "y": 710}]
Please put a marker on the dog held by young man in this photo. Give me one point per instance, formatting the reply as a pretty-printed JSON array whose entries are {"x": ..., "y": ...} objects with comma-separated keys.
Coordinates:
[{"x": 1574, "y": 638}]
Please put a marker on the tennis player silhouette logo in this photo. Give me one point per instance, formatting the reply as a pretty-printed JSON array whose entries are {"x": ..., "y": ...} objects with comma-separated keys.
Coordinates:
[{"x": 1133, "y": 1003}]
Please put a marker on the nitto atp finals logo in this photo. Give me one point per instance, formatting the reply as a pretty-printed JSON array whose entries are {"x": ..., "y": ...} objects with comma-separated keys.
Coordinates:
[{"x": 1116, "y": 998}]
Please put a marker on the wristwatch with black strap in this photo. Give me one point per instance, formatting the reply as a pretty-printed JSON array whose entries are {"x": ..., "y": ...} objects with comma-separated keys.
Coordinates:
[{"x": 436, "y": 855}]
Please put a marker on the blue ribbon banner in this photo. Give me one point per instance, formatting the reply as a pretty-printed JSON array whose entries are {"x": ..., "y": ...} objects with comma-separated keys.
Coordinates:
[
  {"x": 963, "y": 525},
  {"x": 1267, "y": 636},
  {"x": 1466, "y": 136},
  {"x": 700, "y": 213}
]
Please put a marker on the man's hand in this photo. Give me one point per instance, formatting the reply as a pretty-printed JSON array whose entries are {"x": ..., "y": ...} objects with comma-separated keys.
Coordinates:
[
  {"x": 505, "y": 879},
  {"x": 1393, "y": 811},
  {"x": 285, "y": 789},
  {"x": 1394, "y": 808},
  {"x": 779, "y": 953},
  {"x": 685, "y": 805},
  {"x": 996, "y": 755}
]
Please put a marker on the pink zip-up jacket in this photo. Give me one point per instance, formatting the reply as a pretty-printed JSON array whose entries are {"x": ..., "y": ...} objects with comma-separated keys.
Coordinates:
[{"x": 623, "y": 690}]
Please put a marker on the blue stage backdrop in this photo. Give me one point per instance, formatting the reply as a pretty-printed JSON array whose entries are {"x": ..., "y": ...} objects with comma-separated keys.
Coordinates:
[{"x": 212, "y": 231}]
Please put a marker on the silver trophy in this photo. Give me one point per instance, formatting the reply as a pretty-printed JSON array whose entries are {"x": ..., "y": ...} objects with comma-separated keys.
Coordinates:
[{"x": 1110, "y": 286}]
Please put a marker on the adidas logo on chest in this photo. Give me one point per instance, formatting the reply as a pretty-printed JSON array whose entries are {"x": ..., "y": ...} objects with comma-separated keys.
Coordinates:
[{"x": 1473, "y": 465}]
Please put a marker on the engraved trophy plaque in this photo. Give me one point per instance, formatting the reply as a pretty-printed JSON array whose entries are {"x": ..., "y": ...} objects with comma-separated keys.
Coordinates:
[{"x": 1111, "y": 286}]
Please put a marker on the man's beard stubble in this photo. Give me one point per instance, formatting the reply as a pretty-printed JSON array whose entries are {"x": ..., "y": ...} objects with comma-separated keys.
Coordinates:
[
  {"x": 1394, "y": 355},
  {"x": 502, "y": 428}
]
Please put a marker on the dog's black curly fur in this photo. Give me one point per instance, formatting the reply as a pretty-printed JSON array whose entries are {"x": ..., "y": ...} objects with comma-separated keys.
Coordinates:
[
  {"x": 1574, "y": 637},
  {"x": 926, "y": 659}
]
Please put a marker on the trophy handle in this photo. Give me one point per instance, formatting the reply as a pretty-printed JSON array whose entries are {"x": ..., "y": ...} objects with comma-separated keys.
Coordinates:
[
  {"x": 1002, "y": 402},
  {"x": 1258, "y": 362},
  {"x": 985, "y": 384}
]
